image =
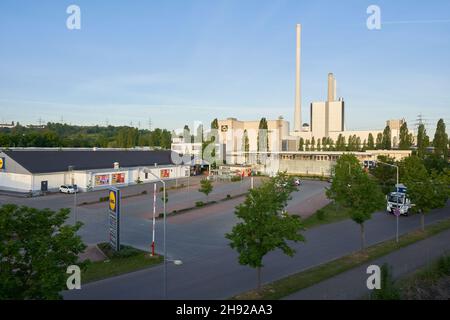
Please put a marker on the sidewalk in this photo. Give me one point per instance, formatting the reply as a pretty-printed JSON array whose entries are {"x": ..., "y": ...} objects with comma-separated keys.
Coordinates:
[{"x": 351, "y": 284}]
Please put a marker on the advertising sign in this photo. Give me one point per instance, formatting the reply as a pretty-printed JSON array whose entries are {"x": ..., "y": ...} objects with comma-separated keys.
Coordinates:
[
  {"x": 118, "y": 178},
  {"x": 102, "y": 179},
  {"x": 165, "y": 173},
  {"x": 2, "y": 163},
  {"x": 114, "y": 218}
]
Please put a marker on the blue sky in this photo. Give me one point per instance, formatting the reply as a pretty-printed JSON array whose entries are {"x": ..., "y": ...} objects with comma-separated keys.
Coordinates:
[{"x": 177, "y": 62}]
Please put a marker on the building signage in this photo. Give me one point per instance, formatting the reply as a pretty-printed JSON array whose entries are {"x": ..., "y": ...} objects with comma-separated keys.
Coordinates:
[
  {"x": 101, "y": 179},
  {"x": 165, "y": 173},
  {"x": 114, "y": 218},
  {"x": 118, "y": 178},
  {"x": 2, "y": 163}
]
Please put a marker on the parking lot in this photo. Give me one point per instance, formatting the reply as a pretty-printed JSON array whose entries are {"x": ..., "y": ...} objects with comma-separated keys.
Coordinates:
[{"x": 201, "y": 227}]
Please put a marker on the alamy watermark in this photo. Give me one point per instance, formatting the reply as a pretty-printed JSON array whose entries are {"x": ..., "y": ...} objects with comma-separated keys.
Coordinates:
[
  {"x": 74, "y": 280},
  {"x": 374, "y": 20},
  {"x": 73, "y": 21},
  {"x": 374, "y": 280}
]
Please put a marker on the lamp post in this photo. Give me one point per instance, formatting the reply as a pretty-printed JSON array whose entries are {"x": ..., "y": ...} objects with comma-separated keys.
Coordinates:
[
  {"x": 397, "y": 212},
  {"x": 74, "y": 194},
  {"x": 164, "y": 229}
]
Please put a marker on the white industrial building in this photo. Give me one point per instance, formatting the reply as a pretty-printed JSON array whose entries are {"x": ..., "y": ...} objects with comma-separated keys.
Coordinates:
[
  {"x": 33, "y": 170},
  {"x": 327, "y": 120},
  {"x": 238, "y": 139}
]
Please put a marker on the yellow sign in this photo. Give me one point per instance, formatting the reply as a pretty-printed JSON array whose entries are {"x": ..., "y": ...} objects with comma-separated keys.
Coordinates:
[
  {"x": 112, "y": 200},
  {"x": 2, "y": 163}
]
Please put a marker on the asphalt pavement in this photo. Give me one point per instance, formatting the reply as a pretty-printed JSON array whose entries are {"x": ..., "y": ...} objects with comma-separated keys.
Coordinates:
[
  {"x": 211, "y": 269},
  {"x": 351, "y": 285}
]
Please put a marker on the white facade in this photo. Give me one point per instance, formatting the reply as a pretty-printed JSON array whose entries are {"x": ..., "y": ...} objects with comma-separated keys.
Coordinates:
[
  {"x": 15, "y": 177},
  {"x": 319, "y": 123},
  {"x": 335, "y": 116},
  {"x": 89, "y": 180}
]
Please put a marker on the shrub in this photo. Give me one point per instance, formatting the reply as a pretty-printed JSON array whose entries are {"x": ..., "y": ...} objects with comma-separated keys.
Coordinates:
[
  {"x": 443, "y": 265},
  {"x": 199, "y": 204},
  {"x": 103, "y": 199},
  {"x": 235, "y": 178},
  {"x": 320, "y": 214},
  {"x": 125, "y": 251},
  {"x": 228, "y": 196},
  {"x": 388, "y": 290},
  {"x": 144, "y": 192}
]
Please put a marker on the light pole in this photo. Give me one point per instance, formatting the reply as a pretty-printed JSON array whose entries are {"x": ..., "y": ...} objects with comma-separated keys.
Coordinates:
[
  {"x": 74, "y": 194},
  {"x": 164, "y": 229},
  {"x": 397, "y": 212}
]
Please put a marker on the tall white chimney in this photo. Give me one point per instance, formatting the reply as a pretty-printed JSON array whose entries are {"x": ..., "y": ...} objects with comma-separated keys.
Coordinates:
[
  {"x": 331, "y": 87},
  {"x": 298, "y": 98}
]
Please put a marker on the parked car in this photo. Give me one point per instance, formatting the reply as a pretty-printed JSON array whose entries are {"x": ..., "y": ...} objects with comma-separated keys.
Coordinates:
[{"x": 67, "y": 189}]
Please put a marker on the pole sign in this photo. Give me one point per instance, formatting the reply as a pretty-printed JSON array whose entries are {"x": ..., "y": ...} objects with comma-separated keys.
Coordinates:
[
  {"x": 114, "y": 218},
  {"x": 397, "y": 212}
]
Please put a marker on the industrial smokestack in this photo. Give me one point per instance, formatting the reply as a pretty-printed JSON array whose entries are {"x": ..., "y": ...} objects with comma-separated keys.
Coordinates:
[
  {"x": 335, "y": 89},
  {"x": 298, "y": 107},
  {"x": 331, "y": 87}
]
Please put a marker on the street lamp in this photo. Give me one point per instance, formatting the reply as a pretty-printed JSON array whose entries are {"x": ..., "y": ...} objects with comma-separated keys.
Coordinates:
[
  {"x": 397, "y": 212},
  {"x": 74, "y": 194},
  {"x": 146, "y": 170}
]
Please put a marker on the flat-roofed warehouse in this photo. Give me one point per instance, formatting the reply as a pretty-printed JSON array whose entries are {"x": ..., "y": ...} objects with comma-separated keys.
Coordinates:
[{"x": 25, "y": 170}]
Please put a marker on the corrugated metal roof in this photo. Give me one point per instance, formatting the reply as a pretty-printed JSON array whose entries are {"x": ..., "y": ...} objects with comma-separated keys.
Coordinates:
[{"x": 38, "y": 161}]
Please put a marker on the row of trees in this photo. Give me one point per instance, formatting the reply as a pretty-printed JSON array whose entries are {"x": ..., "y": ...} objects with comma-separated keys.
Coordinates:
[
  {"x": 64, "y": 135},
  {"x": 264, "y": 225},
  {"x": 383, "y": 141}
]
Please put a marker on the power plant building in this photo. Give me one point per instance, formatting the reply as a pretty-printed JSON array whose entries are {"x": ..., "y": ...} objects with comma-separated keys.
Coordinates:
[{"x": 327, "y": 120}]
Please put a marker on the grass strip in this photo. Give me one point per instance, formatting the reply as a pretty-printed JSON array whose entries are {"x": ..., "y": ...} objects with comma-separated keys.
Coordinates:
[
  {"x": 128, "y": 259},
  {"x": 293, "y": 283},
  {"x": 329, "y": 214}
]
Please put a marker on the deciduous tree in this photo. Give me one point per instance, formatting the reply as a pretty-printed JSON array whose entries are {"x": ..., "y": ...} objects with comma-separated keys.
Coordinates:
[
  {"x": 264, "y": 225},
  {"x": 206, "y": 187},
  {"x": 36, "y": 247},
  {"x": 356, "y": 191}
]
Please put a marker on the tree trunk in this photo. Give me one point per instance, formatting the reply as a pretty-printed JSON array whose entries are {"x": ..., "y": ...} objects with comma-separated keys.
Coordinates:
[
  {"x": 422, "y": 221},
  {"x": 258, "y": 273},
  {"x": 363, "y": 237}
]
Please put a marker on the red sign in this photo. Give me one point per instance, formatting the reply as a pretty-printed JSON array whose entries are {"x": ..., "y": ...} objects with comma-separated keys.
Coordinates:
[
  {"x": 118, "y": 178},
  {"x": 165, "y": 173}
]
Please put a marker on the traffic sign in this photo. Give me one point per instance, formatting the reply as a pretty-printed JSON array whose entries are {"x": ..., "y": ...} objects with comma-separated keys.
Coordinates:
[{"x": 397, "y": 212}]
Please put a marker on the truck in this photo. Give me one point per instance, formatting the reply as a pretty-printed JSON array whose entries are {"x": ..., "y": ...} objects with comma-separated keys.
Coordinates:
[{"x": 398, "y": 199}]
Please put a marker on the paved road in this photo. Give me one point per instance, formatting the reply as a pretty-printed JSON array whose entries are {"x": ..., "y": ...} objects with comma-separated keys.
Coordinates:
[
  {"x": 211, "y": 270},
  {"x": 351, "y": 285}
]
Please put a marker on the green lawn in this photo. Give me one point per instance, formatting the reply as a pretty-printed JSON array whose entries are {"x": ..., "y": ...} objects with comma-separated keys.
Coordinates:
[
  {"x": 309, "y": 277},
  {"x": 328, "y": 214},
  {"x": 127, "y": 260}
]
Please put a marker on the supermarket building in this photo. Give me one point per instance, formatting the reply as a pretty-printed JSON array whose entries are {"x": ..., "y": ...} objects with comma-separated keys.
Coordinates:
[{"x": 34, "y": 170}]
